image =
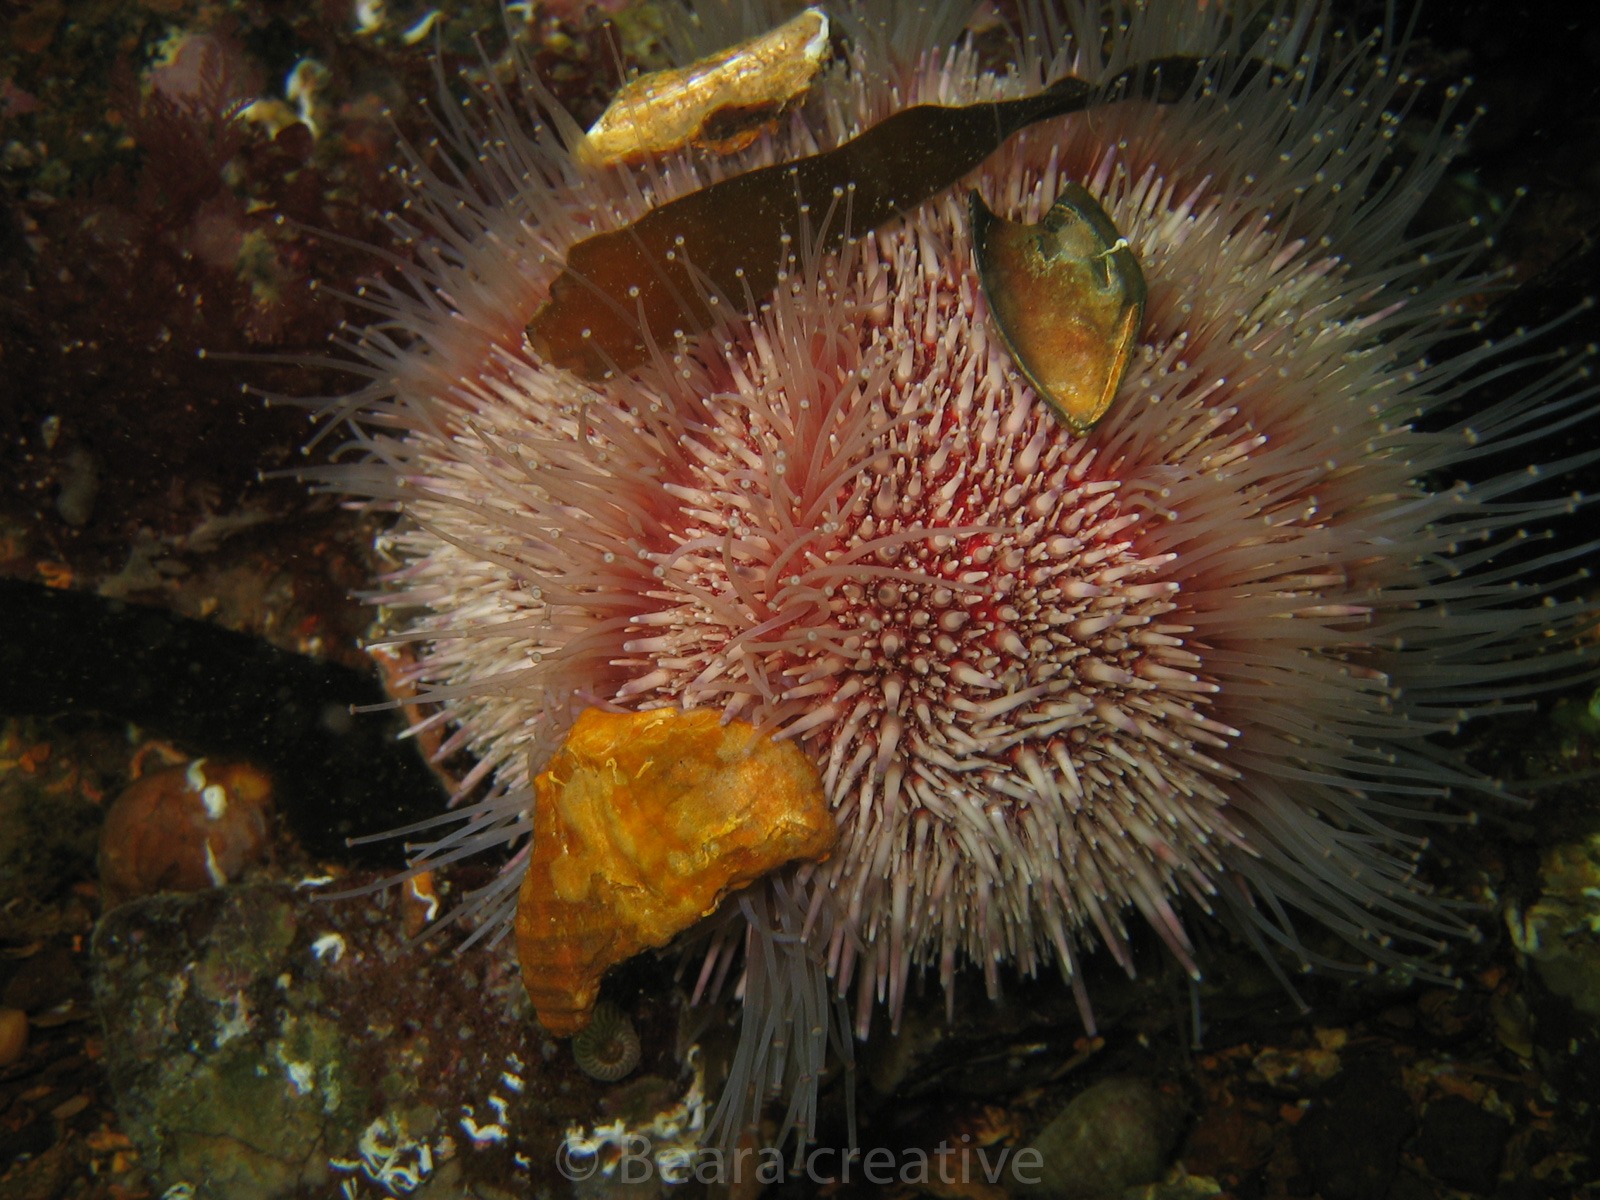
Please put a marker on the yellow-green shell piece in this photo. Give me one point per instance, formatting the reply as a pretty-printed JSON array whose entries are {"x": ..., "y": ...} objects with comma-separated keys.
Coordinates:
[{"x": 1067, "y": 295}]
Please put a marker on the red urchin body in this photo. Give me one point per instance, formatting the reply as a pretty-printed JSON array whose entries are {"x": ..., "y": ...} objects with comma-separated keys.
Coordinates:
[{"x": 1048, "y": 679}]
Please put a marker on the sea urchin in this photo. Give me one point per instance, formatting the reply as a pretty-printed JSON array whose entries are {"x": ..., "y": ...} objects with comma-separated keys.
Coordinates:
[{"x": 1198, "y": 652}]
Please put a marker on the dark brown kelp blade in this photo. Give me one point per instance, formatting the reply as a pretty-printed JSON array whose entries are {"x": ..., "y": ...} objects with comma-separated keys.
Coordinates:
[
  {"x": 1068, "y": 296},
  {"x": 651, "y": 279}
]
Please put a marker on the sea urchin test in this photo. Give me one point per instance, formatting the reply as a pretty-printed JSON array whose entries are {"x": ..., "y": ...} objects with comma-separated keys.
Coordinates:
[{"x": 1051, "y": 683}]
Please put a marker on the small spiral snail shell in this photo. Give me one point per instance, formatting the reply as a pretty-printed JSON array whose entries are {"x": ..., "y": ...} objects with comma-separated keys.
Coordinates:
[{"x": 608, "y": 1049}]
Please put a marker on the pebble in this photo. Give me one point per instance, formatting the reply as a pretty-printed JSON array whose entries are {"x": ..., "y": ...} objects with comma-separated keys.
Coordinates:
[
  {"x": 13, "y": 1035},
  {"x": 1117, "y": 1134},
  {"x": 183, "y": 829}
]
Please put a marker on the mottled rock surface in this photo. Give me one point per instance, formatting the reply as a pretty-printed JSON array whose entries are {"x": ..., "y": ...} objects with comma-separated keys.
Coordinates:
[{"x": 261, "y": 1041}]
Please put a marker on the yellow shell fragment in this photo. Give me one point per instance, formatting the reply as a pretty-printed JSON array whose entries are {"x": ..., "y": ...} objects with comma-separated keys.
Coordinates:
[
  {"x": 643, "y": 823},
  {"x": 719, "y": 103},
  {"x": 1067, "y": 295}
]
